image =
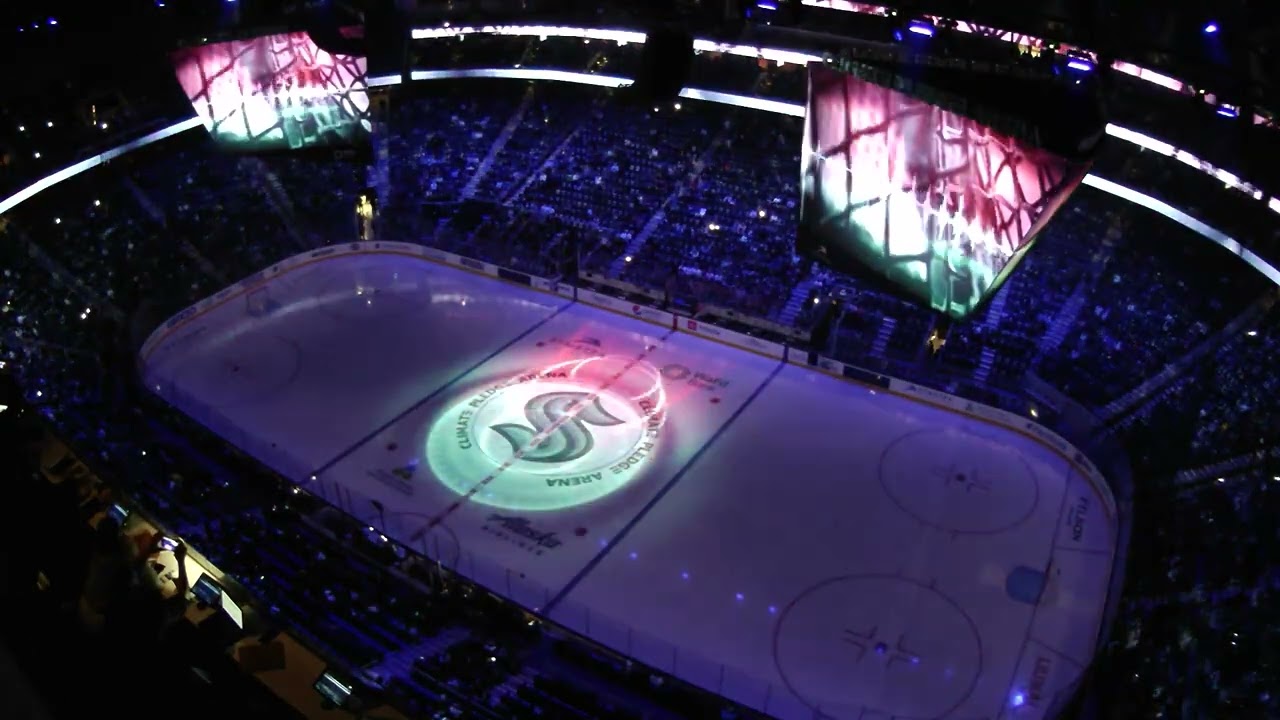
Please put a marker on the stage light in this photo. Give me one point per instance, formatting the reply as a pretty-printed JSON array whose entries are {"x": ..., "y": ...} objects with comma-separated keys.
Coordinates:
[
  {"x": 1079, "y": 65},
  {"x": 920, "y": 28},
  {"x": 1210, "y": 28}
]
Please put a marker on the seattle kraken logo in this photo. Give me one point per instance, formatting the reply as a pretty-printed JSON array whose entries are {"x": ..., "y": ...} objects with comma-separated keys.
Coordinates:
[
  {"x": 549, "y": 440},
  {"x": 557, "y": 430}
]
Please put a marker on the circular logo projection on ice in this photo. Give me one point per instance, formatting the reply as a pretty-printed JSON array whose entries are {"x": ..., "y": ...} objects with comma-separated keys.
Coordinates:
[{"x": 561, "y": 437}]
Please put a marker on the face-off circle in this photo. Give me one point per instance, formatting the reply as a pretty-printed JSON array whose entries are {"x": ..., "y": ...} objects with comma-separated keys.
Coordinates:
[
  {"x": 241, "y": 373},
  {"x": 959, "y": 482},
  {"x": 551, "y": 439},
  {"x": 877, "y": 643}
]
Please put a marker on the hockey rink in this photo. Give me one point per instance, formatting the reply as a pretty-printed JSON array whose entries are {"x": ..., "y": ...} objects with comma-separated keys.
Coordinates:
[{"x": 794, "y": 541}]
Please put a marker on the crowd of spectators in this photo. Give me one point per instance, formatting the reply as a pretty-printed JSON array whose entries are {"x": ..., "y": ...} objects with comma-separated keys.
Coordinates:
[
  {"x": 59, "y": 126},
  {"x": 699, "y": 199},
  {"x": 728, "y": 229},
  {"x": 440, "y": 137},
  {"x": 622, "y": 162},
  {"x": 1197, "y": 629},
  {"x": 549, "y": 114}
]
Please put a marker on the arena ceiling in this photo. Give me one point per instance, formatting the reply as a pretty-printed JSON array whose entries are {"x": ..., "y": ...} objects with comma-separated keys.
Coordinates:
[
  {"x": 1240, "y": 62},
  {"x": 1239, "y": 59}
]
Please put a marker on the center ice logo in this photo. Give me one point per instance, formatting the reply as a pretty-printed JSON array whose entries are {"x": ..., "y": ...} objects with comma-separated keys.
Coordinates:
[
  {"x": 559, "y": 433},
  {"x": 549, "y": 441}
]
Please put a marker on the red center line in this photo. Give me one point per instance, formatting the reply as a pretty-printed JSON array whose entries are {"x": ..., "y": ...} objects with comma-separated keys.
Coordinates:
[{"x": 574, "y": 410}]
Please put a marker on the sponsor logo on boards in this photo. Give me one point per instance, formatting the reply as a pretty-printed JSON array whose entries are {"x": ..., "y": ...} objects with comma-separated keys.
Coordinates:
[{"x": 1076, "y": 515}]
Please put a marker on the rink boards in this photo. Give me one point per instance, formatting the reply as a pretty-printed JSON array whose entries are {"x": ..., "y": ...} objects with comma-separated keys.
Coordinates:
[{"x": 797, "y": 542}]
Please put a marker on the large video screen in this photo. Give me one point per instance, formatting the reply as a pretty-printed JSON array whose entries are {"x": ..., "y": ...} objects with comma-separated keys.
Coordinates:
[
  {"x": 276, "y": 92},
  {"x": 933, "y": 202}
]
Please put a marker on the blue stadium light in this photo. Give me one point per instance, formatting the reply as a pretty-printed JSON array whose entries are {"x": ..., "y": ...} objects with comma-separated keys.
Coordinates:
[
  {"x": 1210, "y": 28},
  {"x": 920, "y": 28},
  {"x": 1228, "y": 111},
  {"x": 767, "y": 5},
  {"x": 1079, "y": 65},
  {"x": 1018, "y": 699}
]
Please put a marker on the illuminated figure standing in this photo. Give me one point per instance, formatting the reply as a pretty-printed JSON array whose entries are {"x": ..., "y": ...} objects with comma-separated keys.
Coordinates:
[{"x": 366, "y": 213}]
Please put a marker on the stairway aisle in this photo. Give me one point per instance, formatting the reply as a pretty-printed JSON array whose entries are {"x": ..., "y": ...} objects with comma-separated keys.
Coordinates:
[{"x": 500, "y": 142}]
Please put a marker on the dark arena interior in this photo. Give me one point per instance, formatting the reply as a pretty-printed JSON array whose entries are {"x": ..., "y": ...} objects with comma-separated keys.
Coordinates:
[{"x": 603, "y": 360}]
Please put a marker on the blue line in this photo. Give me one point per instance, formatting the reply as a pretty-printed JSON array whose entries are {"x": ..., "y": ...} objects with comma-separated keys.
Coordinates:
[
  {"x": 617, "y": 539},
  {"x": 436, "y": 393}
]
